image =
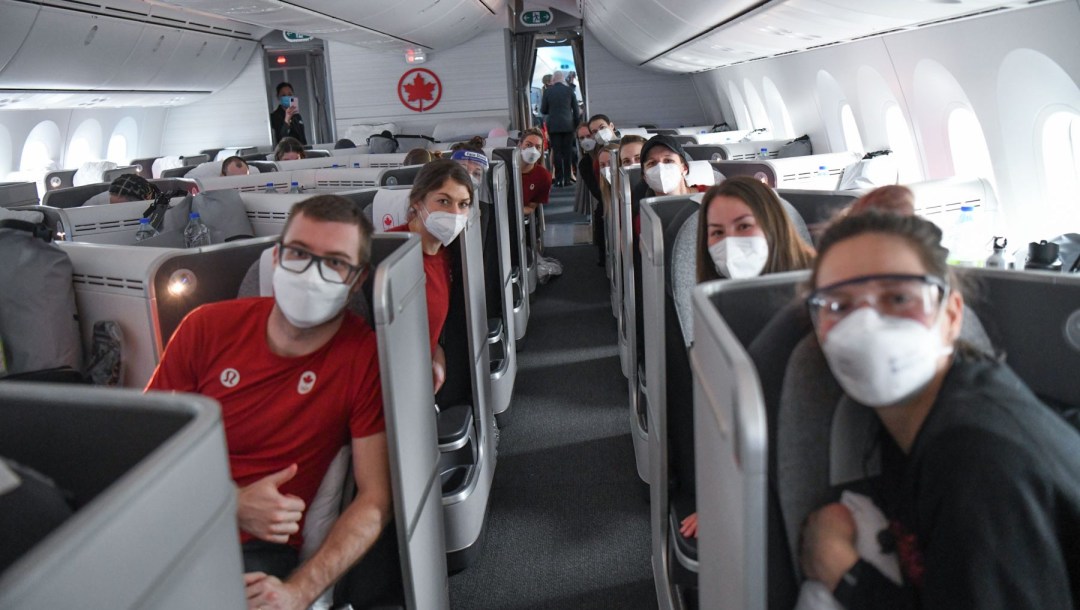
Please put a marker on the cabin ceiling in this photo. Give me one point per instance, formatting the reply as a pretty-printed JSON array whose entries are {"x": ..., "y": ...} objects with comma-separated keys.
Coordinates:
[
  {"x": 699, "y": 35},
  {"x": 381, "y": 25}
]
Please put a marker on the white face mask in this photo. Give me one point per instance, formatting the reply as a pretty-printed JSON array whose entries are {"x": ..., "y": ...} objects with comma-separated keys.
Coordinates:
[
  {"x": 604, "y": 136},
  {"x": 306, "y": 299},
  {"x": 587, "y": 144},
  {"x": 606, "y": 173},
  {"x": 739, "y": 257},
  {"x": 664, "y": 178},
  {"x": 880, "y": 361},
  {"x": 445, "y": 226},
  {"x": 530, "y": 155}
]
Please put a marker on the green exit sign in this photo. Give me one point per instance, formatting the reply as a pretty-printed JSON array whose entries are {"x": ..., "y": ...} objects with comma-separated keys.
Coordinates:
[
  {"x": 536, "y": 18},
  {"x": 295, "y": 37}
]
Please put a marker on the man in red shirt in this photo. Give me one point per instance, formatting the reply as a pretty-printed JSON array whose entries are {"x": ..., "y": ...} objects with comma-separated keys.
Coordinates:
[
  {"x": 535, "y": 178},
  {"x": 297, "y": 377}
]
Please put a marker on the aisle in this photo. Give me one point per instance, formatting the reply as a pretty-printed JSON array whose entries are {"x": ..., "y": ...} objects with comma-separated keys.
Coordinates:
[{"x": 568, "y": 523}]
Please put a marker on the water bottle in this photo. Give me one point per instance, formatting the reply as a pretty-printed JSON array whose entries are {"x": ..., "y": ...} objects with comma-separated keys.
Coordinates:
[
  {"x": 294, "y": 187},
  {"x": 356, "y": 165},
  {"x": 822, "y": 172},
  {"x": 270, "y": 188},
  {"x": 146, "y": 230},
  {"x": 196, "y": 233},
  {"x": 966, "y": 244},
  {"x": 997, "y": 259},
  {"x": 763, "y": 153}
]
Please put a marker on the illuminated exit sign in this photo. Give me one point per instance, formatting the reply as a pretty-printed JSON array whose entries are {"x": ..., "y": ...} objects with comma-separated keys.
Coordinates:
[
  {"x": 296, "y": 37},
  {"x": 536, "y": 18}
]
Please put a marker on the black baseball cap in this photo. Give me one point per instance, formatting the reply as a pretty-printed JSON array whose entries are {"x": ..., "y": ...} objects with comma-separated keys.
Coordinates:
[{"x": 667, "y": 142}]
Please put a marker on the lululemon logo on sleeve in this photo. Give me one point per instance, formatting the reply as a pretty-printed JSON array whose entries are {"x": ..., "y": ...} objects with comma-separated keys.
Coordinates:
[
  {"x": 230, "y": 377},
  {"x": 307, "y": 381},
  {"x": 532, "y": 187}
]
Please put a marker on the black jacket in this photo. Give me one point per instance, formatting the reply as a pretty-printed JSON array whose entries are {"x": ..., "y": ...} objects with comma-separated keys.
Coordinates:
[
  {"x": 293, "y": 129},
  {"x": 586, "y": 173},
  {"x": 986, "y": 507},
  {"x": 560, "y": 106}
]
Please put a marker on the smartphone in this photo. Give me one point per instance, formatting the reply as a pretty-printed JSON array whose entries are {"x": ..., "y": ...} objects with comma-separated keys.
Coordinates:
[{"x": 293, "y": 103}]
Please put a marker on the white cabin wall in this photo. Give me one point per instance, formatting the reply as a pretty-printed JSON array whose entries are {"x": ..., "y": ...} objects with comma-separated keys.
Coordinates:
[
  {"x": 473, "y": 75},
  {"x": 16, "y": 126},
  {"x": 237, "y": 115},
  {"x": 633, "y": 96},
  {"x": 873, "y": 72}
]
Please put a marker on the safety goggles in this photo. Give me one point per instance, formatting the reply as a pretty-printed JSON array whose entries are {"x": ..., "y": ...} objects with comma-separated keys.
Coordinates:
[{"x": 916, "y": 297}]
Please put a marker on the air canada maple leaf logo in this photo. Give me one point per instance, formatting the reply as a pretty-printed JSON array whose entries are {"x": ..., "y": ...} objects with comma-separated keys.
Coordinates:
[{"x": 419, "y": 89}]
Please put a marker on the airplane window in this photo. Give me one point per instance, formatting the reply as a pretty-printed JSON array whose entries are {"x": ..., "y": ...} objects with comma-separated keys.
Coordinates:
[
  {"x": 1061, "y": 156},
  {"x": 738, "y": 106},
  {"x": 777, "y": 109},
  {"x": 126, "y": 132},
  {"x": 907, "y": 159},
  {"x": 758, "y": 116},
  {"x": 85, "y": 144},
  {"x": 852, "y": 139},
  {"x": 970, "y": 155},
  {"x": 41, "y": 147}
]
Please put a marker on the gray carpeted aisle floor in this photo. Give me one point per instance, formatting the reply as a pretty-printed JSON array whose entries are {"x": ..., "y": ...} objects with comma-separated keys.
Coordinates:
[{"x": 568, "y": 524}]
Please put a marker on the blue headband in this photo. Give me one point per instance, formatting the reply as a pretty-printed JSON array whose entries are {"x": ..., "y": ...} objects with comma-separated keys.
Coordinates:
[{"x": 469, "y": 155}]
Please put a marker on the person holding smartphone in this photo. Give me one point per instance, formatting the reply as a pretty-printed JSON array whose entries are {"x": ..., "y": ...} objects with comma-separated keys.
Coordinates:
[{"x": 285, "y": 120}]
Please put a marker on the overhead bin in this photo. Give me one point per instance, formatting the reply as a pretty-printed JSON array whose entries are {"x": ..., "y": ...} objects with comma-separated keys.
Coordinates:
[{"x": 56, "y": 50}]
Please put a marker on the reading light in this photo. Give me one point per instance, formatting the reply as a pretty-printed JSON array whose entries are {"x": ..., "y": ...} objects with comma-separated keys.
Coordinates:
[{"x": 182, "y": 282}]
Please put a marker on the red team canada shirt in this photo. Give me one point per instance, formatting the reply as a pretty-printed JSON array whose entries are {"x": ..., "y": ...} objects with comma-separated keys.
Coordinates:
[
  {"x": 536, "y": 185},
  {"x": 277, "y": 411}
]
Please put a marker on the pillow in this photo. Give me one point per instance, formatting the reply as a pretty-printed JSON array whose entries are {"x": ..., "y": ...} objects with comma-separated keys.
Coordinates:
[
  {"x": 163, "y": 163},
  {"x": 205, "y": 170},
  {"x": 92, "y": 172},
  {"x": 101, "y": 198},
  {"x": 23, "y": 215},
  {"x": 463, "y": 129},
  {"x": 701, "y": 173}
]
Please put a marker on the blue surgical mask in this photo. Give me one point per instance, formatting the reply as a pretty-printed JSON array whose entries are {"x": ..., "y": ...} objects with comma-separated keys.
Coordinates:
[{"x": 285, "y": 100}]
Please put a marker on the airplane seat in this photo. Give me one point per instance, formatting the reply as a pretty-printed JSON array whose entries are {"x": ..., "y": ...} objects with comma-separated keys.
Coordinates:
[
  {"x": 264, "y": 167},
  {"x": 317, "y": 154},
  {"x": 817, "y": 208},
  {"x": 133, "y": 463},
  {"x": 75, "y": 196},
  {"x": 177, "y": 172},
  {"x": 58, "y": 179},
  {"x": 144, "y": 166},
  {"x": 701, "y": 173},
  {"x": 18, "y": 194},
  {"x": 112, "y": 174},
  {"x": 518, "y": 275},
  {"x": 683, "y": 272},
  {"x": 161, "y": 164}
]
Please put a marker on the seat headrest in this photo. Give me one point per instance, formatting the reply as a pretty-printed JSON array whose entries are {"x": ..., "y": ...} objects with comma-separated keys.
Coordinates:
[
  {"x": 389, "y": 208},
  {"x": 701, "y": 173},
  {"x": 266, "y": 273}
]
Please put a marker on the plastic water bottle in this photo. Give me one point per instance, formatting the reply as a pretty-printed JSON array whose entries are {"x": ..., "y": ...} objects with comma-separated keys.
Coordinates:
[
  {"x": 294, "y": 187},
  {"x": 966, "y": 244},
  {"x": 356, "y": 165},
  {"x": 196, "y": 233},
  {"x": 763, "y": 153},
  {"x": 822, "y": 172},
  {"x": 270, "y": 188},
  {"x": 997, "y": 259},
  {"x": 146, "y": 230}
]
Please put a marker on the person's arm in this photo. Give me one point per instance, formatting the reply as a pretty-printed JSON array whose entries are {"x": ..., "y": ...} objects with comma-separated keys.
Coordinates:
[
  {"x": 544, "y": 103},
  {"x": 349, "y": 539},
  {"x": 438, "y": 367}
]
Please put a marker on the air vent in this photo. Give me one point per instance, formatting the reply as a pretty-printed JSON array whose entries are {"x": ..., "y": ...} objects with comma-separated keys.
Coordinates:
[
  {"x": 104, "y": 281},
  {"x": 949, "y": 207},
  {"x": 965, "y": 16},
  {"x": 267, "y": 215},
  {"x": 152, "y": 17},
  {"x": 105, "y": 226},
  {"x": 385, "y": 165},
  {"x": 344, "y": 184}
]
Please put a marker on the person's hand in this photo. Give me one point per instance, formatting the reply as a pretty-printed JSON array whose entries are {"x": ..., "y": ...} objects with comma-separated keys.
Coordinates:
[
  {"x": 828, "y": 544},
  {"x": 265, "y": 592},
  {"x": 266, "y": 513},
  {"x": 438, "y": 367},
  {"x": 290, "y": 110},
  {"x": 688, "y": 527}
]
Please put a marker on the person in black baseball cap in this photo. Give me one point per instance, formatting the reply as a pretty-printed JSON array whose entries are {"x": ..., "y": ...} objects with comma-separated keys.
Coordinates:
[{"x": 664, "y": 166}]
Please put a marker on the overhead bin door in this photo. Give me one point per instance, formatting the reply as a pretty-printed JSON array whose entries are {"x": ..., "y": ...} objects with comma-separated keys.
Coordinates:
[{"x": 14, "y": 27}]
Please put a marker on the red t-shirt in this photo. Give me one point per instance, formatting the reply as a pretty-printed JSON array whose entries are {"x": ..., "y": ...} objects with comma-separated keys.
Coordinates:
[
  {"x": 277, "y": 411},
  {"x": 536, "y": 185},
  {"x": 437, "y": 286}
]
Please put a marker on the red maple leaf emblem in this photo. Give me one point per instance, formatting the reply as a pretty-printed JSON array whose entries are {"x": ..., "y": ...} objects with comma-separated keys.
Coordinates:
[
  {"x": 308, "y": 378},
  {"x": 419, "y": 90}
]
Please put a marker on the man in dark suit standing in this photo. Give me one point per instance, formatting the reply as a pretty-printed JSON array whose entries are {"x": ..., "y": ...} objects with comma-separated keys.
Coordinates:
[
  {"x": 285, "y": 120},
  {"x": 560, "y": 106}
]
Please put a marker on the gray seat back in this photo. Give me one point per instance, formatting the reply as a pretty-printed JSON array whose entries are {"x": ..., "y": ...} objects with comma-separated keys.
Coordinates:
[
  {"x": 400, "y": 311},
  {"x": 137, "y": 465},
  {"x": 518, "y": 257},
  {"x": 15, "y": 194}
]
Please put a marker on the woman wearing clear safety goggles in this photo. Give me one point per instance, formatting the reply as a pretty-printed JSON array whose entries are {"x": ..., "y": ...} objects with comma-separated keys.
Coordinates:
[{"x": 980, "y": 481}]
